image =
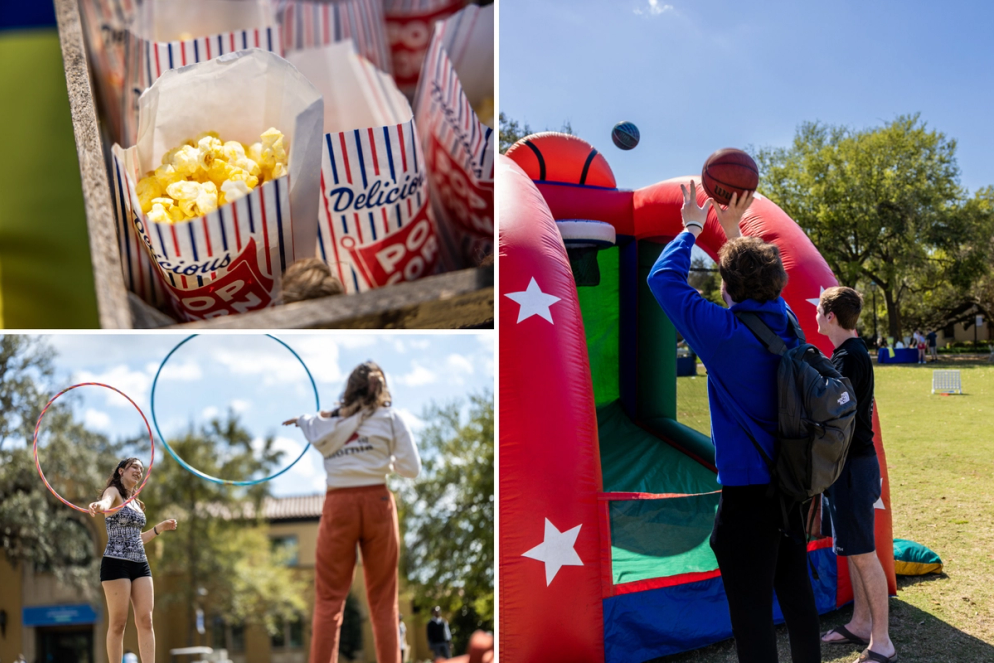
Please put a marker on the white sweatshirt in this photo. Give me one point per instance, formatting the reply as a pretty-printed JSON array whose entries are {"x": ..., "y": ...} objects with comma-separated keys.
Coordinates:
[{"x": 362, "y": 449}]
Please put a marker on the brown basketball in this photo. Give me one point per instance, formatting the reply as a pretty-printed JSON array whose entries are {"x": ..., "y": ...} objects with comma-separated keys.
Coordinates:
[{"x": 729, "y": 171}]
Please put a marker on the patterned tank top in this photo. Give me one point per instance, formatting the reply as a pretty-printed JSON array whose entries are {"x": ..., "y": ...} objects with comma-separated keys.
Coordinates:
[{"x": 124, "y": 534}]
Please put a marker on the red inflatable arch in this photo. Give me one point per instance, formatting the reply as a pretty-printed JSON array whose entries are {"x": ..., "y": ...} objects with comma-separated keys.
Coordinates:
[{"x": 553, "y": 579}]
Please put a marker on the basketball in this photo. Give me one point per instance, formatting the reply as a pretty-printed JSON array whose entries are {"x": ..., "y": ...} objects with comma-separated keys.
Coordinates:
[
  {"x": 625, "y": 135},
  {"x": 727, "y": 172}
]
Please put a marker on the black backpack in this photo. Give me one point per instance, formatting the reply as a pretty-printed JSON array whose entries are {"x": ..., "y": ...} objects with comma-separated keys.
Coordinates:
[{"x": 817, "y": 415}]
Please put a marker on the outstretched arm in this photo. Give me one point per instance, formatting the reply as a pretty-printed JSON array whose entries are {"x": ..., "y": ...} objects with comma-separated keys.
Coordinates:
[
  {"x": 106, "y": 502},
  {"x": 164, "y": 526},
  {"x": 406, "y": 460}
]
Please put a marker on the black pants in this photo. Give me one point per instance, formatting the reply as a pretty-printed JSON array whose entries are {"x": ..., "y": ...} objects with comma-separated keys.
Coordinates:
[{"x": 755, "y": 558}]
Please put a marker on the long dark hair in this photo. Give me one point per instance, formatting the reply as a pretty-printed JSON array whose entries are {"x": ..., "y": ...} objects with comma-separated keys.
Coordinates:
[
  {"x": 360, "y": 393},
  {"x": 115, "y": 480}
]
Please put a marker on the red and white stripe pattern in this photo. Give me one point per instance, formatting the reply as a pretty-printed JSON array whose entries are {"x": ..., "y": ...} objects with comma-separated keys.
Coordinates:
[
  {"x": 105, "y": 22},
  {"x": 373, "y": 187},
  {"x": 191, "y": 254},
  {"x": 314, "y": 24},
  {"x": 145, "y": 61},
  {"x": 459, "y": 147}
]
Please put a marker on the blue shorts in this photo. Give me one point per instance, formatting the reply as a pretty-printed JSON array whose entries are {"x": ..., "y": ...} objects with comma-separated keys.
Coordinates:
[{"x": 847, "y": 512}]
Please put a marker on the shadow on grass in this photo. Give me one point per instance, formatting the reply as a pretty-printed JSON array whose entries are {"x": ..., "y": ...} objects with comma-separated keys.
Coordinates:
[
  {"x": 919, "y": 637},
  {"x": 904, "y": 582}
]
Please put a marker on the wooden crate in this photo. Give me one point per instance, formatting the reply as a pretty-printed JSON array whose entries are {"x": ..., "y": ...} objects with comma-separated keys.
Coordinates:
[{"x": 463, "y": 299}]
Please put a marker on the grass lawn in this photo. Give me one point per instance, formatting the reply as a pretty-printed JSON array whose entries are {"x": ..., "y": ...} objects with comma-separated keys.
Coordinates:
[{"x": 940, "y": 456}]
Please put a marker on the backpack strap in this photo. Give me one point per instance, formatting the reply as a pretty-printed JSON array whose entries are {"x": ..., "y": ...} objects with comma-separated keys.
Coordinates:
[{"x": 766, "y": 336}]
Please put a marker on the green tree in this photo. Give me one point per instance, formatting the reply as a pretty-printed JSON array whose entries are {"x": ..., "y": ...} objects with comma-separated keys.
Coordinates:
[
  {"x": 35, "y": 527},
  {"x": 449, "y": 517},
  {"x": 220, "y": 558},
  {"x": 882, "y": 205},
  {"x": 511, "y": 132}
]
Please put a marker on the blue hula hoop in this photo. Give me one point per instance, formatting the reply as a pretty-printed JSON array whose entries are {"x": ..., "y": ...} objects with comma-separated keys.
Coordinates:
[{"x": 193, "y": 470}]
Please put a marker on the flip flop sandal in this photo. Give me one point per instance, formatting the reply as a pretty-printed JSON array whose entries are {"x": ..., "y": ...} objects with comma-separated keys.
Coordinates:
[
  {"x": 848, "y": 639},
  {"x": 868, "y": 655}
]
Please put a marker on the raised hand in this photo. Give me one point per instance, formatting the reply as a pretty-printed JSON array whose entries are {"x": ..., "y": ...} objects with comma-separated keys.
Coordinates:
[
  {"x": 730, "y": 216},
  {"x": 167, "y": 525},
  {"x": 692, "y": 213}
]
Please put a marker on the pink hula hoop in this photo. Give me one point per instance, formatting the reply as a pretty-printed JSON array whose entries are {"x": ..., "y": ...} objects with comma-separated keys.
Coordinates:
[{"x": 148, "y": 471}]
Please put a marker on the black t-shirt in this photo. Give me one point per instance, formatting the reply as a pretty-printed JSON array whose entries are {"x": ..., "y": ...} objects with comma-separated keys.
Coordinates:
[
  {"x": 931, "y": 336},
  {"x": 853, "y": 361}
]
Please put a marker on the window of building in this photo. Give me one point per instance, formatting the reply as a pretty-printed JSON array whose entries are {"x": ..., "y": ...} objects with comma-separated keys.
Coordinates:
[
  {"x": 290, "y": 634},
  {"x": 227, "y": 636},
  {"x": 286, "y": 549}
]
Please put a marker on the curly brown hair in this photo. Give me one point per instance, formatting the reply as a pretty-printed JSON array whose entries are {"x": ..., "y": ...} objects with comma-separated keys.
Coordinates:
[
  {"x": 845, "y": 303},
  {"x": 366, "y": 387},
  {"x": 751, "y": 269},
  {"x": 115, "y": 480}
]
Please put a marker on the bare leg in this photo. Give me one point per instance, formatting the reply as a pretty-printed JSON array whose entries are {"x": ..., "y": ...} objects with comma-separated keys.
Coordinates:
[
  {"x": 117, "y": 593},
  {"x": 143, "y": 600},
  {"x": 875, "y": 595},
  {"x": 861, "y": 623}
]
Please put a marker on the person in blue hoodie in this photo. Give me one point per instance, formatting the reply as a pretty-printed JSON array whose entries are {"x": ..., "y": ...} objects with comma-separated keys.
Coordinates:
[{"x": 755, "y": 555}]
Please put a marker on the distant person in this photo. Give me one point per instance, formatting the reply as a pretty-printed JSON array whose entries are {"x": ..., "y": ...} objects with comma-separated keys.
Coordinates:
[
  {"x": 921, "y": 345},
  {"x": 362, "y": 440},
  {"x": 933, "y": 340},
  {"x": 402, "y": 635},
  {"x": 439, "y": 636},
  {"x": 850, "y": 501},
  {"x": 124, "y": 571}
]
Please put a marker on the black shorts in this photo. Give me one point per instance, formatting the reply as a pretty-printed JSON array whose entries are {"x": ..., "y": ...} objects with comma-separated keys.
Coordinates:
[
  {"x": 848, "y": 507},
  {"x": 112, "y": 568}
]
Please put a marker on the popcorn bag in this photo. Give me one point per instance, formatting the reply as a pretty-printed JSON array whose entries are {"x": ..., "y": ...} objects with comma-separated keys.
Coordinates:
[
  {"x": 314, "y": 24},
  {"x": 454, "y": 105},
  {"x": 168, "y": 34},
  {"x": 227, "y": 259},
  {"x": 105, "y": 23},
  {"x": 409, "y": 26},
  {"x": 374, "y": 221}
]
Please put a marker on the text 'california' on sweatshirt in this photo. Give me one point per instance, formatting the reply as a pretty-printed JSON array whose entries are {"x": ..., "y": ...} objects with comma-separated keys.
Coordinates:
[
  {"x": 742, "y": 373},
  {"x": 362, "y": 449}
]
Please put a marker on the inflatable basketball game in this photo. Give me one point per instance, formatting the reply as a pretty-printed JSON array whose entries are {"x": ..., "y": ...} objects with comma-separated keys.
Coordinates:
[{"x": 606, "y": 499}]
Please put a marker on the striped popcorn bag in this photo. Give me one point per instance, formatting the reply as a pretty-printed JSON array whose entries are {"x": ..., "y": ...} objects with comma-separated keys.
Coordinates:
[
  {"x": 374, "y": 221},
  {"x": 168, "y": 34},
  {"x": 105, "y": 23},
  {"x": 314, "y": 24},
  {"x": 454, "y": 112},
  {"x": 409, "y": 26},
  {"x": 232, "y": 259}
]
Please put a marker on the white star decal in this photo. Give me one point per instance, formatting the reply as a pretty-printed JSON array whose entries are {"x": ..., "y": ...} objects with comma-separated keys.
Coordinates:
[
  {"x": 533, "y": 302},
  {"x": 816, "y": 300},
  {"x": 879, "y": 504},
  {"x": 556, "y": 550}
]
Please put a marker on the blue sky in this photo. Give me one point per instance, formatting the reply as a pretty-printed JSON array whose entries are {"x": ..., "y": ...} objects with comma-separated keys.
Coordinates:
[
  {"x": 702, "y": 75},
  {"x": 262, "y": 381}
]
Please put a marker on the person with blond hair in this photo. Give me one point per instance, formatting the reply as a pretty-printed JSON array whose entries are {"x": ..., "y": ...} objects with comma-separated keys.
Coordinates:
[{"x": 362, "y": 440}]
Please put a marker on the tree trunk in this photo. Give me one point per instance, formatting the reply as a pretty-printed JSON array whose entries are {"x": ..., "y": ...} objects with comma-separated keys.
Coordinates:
[{"x": 893, "y": 314}]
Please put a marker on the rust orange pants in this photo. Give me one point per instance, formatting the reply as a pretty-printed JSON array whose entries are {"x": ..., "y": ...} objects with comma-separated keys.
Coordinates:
[{"x": 367, "y": 517}]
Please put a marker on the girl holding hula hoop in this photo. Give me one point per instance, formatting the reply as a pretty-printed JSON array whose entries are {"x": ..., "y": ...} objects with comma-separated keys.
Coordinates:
[
  {"x": 362, "y": 440},
  {"x": 124, "y": 570}
]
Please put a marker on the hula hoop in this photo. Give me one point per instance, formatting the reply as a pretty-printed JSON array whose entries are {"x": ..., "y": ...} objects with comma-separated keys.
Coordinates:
[
  {"x": 203, "y": 475},
  {"x": 151, "y": 440}
]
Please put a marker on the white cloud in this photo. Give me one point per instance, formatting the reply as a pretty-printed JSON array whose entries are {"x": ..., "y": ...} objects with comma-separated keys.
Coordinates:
[
  {"x": 422, "y": 344},
  {"x": 209, "y": 412},
  {"x": 459, "y": 364},
  {"x": 418, "y": 377},
  {"x": 654, "y": 8},
  {"x": 96, "y": 419},
  {"x": 135, "y": 384},
  {"x": 239, "y": 405}
]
